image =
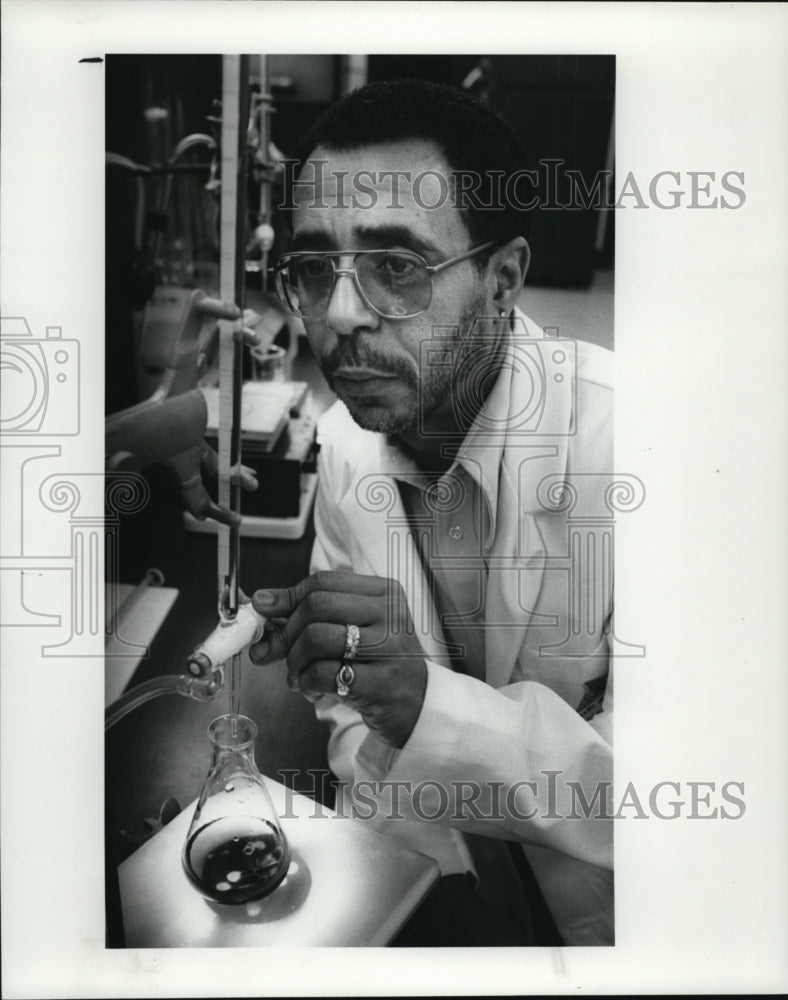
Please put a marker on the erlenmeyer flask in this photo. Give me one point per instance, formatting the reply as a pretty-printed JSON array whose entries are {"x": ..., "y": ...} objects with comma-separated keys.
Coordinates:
[{"x": 235, "y": 850}]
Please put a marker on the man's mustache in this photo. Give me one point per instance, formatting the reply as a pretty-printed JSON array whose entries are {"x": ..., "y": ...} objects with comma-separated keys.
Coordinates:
[{"x": 352, "y": 353}]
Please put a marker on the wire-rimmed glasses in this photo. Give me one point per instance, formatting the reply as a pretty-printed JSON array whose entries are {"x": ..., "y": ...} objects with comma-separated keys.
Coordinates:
[{"x": 396, "y": 284}]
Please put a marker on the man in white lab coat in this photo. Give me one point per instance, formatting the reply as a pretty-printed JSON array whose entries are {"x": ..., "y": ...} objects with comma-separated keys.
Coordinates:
[{"x": 455, "y": 630}]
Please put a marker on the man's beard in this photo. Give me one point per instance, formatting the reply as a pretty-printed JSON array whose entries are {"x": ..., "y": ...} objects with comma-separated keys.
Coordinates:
[{"x": 427, "y": 394}]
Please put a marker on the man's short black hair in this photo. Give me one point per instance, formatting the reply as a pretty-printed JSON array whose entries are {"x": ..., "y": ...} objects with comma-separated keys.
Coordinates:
[{"x": 472, "y": 136}]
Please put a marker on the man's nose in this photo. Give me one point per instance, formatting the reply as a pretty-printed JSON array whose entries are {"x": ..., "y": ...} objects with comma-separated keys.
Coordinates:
[{"x": 347, "y": 311}]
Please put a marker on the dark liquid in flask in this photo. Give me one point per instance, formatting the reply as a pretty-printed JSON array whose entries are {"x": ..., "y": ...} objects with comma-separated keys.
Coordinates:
[{"x": 236, "y": 859}]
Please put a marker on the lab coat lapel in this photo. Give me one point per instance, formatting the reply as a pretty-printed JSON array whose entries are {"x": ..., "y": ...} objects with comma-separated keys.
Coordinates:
[{"x": 517, "y": 560}]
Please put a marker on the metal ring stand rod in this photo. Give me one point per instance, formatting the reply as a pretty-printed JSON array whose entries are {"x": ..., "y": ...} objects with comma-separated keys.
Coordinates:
[{"x": 259, "y": 68}]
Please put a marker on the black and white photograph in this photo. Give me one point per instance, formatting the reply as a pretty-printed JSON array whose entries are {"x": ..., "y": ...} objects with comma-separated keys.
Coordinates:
[
  {"x": 326, "y": 550},
  {"x": 444, "y": 597}
]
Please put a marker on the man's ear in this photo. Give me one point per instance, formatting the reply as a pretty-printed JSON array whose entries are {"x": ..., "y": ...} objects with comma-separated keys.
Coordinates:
[{"x": 509, "y": 266}]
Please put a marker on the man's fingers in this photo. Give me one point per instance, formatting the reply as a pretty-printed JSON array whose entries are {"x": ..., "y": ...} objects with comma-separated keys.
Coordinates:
[
  {"x": 318, "y": 642},
  {"x": 322, "y": 677},
  {"x": 337, "y": 610},
  {"x": 284, "y": 601},
  {"x": 318, "y": 627},
  {"x": 335, "y": 598},
  {"x": 274, "y": 645}
]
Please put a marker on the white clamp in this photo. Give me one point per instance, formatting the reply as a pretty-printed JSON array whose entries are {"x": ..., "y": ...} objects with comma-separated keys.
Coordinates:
[{"x": 228, "y": 638}]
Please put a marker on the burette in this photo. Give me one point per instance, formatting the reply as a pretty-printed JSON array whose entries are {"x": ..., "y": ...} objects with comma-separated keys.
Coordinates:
[{"x": 232, "y": 242}]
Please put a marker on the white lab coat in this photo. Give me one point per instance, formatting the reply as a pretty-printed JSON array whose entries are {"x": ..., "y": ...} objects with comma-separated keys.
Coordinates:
[{"x": 522, "y": 724}]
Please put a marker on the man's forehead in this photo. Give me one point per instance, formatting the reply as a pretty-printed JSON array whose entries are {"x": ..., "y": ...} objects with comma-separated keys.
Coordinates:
[{"x": 406, "y": 183}]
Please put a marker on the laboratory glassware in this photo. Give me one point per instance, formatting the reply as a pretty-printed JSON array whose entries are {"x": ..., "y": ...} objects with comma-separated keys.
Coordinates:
[{"x": 235, "y": 850}]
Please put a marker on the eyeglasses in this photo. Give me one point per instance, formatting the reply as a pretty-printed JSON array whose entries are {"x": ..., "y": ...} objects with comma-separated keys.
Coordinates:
[{"x": 396, "y": 284}]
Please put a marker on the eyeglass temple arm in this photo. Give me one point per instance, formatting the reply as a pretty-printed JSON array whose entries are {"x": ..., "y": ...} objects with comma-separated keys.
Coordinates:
[{"x": 435, "y": 268}]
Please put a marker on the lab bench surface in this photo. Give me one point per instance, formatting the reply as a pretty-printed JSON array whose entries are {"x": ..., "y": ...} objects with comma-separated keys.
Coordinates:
[{"x": 346, "y": 886}]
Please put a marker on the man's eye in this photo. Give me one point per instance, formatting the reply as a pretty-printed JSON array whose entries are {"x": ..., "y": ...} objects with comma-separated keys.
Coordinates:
[
  {"x": 314, "y": 267},
  {"x": 397, "y": 266}
]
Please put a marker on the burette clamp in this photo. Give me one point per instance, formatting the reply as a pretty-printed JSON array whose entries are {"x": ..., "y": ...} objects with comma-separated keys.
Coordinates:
[{"x": 232, "y": 635}]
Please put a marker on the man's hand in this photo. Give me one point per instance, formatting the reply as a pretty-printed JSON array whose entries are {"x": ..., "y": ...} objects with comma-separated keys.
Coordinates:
[{"x": 390, "y": 671}]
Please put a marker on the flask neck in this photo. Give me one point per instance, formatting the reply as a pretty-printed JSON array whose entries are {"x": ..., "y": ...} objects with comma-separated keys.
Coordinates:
[
  {"x": 232, "y": 743},
  {"x": 232, "y": 734},
  {"x": 241, "y": 759}
]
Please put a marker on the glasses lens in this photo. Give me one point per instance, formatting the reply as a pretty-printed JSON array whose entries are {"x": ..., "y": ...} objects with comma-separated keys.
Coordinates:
[
  {"x": 395, "y": 282},
  {"x": 307, "y": 283}
]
